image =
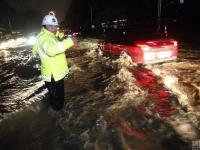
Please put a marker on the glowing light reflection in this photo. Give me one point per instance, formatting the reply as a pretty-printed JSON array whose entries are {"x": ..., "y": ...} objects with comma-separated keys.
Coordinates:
[
  {"x": 156, "y": 71},
  {"x": 169, "y": 80},
  {"x": 14, "y": 43}
]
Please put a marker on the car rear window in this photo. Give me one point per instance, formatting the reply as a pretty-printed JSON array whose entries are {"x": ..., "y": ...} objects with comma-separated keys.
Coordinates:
[{"x": 130, "y": 37}]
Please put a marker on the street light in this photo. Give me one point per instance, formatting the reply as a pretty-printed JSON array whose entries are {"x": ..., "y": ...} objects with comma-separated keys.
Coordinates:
[
  {"x": 159, "y": 14},
  {"x": 91, "y": 18}
]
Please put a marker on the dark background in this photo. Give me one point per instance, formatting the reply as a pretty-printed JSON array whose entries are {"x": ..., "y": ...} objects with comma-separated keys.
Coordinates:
[{"x": 80, "y": 14}]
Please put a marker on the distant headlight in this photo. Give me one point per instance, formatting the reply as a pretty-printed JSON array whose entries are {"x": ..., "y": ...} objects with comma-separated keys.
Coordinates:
[
  {"x": 69, "y": 35},
  {"x": 31, "y": 40}
]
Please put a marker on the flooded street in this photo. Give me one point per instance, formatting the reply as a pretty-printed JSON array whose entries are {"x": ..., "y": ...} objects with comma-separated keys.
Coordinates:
[
  {"x": 32, "y": 129},
  {"x": 110, "y": 104}
]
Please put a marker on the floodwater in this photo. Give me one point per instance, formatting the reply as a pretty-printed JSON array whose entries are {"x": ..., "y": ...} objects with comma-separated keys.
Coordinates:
[{"x": 110, "y": 104}]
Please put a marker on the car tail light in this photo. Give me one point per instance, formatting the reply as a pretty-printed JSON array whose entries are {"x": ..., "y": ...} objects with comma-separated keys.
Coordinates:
[{"x": 175, "y": 43}]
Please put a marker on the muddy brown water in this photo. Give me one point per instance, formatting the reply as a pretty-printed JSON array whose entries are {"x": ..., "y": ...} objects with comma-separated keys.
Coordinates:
[{"x": 109, "y": 105}]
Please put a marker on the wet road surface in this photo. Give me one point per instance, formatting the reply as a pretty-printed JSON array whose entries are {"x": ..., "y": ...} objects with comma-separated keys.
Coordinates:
[{"x": 110, "y": 104}]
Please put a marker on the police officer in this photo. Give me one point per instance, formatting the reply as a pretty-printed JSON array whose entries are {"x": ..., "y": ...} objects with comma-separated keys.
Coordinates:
[{"x": 54, "y": 68}]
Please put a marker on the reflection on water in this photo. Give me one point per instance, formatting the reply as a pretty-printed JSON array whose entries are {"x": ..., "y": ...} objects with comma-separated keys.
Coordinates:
[
  {"x": 127, "y": 112},
  {"x": 164, "y": 101},
  {"x": 110, "y": 104},
  {"x": 19, "y": 80}
]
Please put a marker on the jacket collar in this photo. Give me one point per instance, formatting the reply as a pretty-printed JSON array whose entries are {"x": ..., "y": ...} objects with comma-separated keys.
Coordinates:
[{"x": 47, "y": 32}]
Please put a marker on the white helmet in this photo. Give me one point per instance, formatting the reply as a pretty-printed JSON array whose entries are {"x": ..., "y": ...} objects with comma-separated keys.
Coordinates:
[
  {"x": 50, "y": 20},
  {"x": 52, "y": 13}
]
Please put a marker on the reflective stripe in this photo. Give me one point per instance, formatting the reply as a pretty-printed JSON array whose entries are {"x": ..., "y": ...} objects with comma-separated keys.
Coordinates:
[
  {"x": 42, "y": 55},
  {"x": 40, "y": 52},
  {"x": 45, "y": 48},
  {"x": 62, "y": 74},
  {"x": 48, "y": 77},
  {"x": 60, "y": 46}
]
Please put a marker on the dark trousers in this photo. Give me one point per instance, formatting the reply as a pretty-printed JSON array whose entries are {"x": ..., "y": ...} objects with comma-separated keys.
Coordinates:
[{"x": 56, "y": 93}]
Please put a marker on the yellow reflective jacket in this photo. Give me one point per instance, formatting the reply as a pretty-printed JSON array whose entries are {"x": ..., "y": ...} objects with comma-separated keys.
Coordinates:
[{"x": 52, "y": 55}]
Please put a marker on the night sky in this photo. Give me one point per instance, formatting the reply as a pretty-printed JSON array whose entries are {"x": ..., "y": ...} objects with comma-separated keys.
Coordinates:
[
  {"x": 76, "y": 13},
  {"x": 41, "y": 6}
]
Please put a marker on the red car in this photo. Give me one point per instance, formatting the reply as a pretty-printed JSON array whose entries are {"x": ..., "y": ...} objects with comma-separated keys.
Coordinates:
[{"x": 145, "y": 47}]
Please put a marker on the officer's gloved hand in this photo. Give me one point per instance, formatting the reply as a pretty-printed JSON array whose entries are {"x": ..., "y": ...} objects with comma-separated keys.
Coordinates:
[{"x": 60, "y": 36}]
